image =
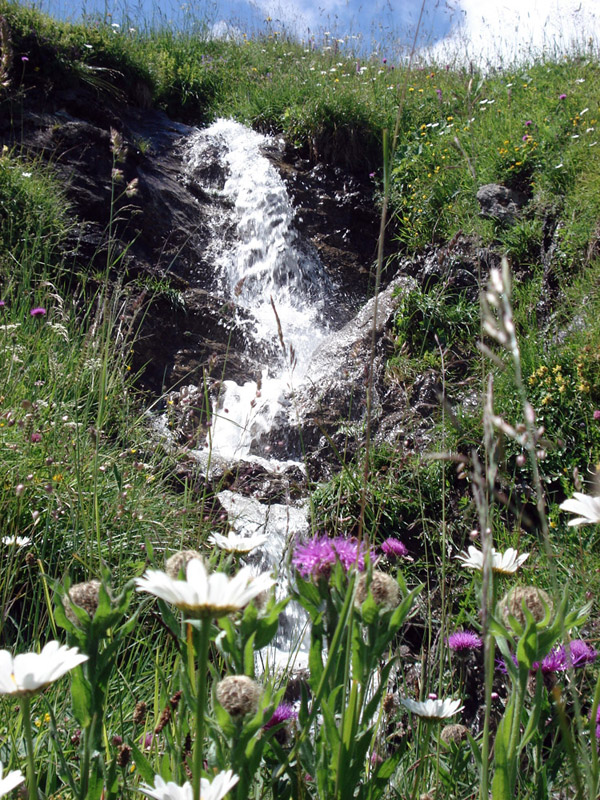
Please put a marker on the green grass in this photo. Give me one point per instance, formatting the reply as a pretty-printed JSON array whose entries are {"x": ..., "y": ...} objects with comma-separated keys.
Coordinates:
[{"x": 84, "y": 481}]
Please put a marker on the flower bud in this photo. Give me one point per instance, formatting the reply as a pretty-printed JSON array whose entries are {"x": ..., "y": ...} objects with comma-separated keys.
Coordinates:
[
  {"x": 179, "y": 561},
  {"x": 239, "y": 695},
  {"x": 453, "y": 734},
  {"x": 537, "y": 601},
  {"x": 84, "y": 595},
  {"x": 383, "y": 587}
]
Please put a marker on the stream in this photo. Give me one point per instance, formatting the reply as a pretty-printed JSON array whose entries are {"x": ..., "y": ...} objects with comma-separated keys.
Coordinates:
[{"x": 266, "y": 268}]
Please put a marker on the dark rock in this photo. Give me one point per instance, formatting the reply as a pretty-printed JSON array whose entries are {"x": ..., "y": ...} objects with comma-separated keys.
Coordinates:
[{"x": 499, "y": 202}]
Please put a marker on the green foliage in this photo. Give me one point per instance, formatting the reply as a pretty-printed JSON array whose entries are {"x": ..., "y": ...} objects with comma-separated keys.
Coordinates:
[
  {"x": 429, "y": 320},
  {"x": 82, "y": 483},
  {"x": 33, "y": 219},
  {"x": 401, "y": 490}
]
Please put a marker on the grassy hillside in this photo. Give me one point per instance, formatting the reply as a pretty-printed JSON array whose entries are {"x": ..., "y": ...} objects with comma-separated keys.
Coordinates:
[{"x": 84, "y": 496}]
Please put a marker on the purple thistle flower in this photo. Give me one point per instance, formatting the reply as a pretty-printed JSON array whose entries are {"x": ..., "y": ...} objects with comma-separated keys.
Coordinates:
[
  {"x": 562, "y": 96},
  {"x": 501, "y": 664},
  {"x": 526, "y": 137},
  {"x": 580, "y": 653},
  {"x": 318, "y": 556},
  {"x": 2, "y": 303},
  {"x": 36, "y": 437},
  {"x": 350, "y": 553},
  {"x": 38, "y": 312},
  {"x": 464, "y": 641},
  {"x": 597, "y": 414},
  {"x": 394, "y": 548},
  {"x": 315, "y": 557},
  {"x": 528, "y": 122},
  {"x": 439, "y": 93},
  {"x": 553, "y": 662},
  {"x": 24, "y": 58},
  {"x": 282, "y": 713}
]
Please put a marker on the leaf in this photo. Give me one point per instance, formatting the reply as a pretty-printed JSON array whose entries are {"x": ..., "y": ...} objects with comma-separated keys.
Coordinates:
[
  {"x": 81, "y": 697},
  {"x": 369, "y": 610},
  {"x": 527, "y": 647},
  {"x": 504, "y": 761},
  {"x": 350, "y": 717},
  {"x": 249, "y": 657},
  {"x": 315, "y": 659},
  {"x": 401, "y": 613},
  {"x": 142, "y": 764}
]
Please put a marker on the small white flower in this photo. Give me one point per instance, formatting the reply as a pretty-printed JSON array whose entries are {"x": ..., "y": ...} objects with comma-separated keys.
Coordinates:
[
  {"x": 11, "y": 780},
  {"x": 216, "y": 790},
  {"x": 433, "y": 709},
  {"x": 19, "y": 541},
  {"x": 203, "y": 595},
  {"x": 234, "y": 543},
  {"x": 29, "y": 673},
  {"x": 26, "y": 174},
  {"x": 505, "y": 563},
  {"x": 586, "y": 506}
]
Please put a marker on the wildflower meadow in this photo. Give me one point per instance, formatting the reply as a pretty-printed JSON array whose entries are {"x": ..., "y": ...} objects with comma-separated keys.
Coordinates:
[{"x": 445, "y": 598}]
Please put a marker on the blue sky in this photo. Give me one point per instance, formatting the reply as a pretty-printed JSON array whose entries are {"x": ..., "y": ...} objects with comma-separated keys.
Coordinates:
[{"x": 488, "y": 31}]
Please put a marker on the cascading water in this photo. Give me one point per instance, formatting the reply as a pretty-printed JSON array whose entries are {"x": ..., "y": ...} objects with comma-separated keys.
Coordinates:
[
  {"x": 266, "y": 270},
  {"x": 262, "y": 265}
]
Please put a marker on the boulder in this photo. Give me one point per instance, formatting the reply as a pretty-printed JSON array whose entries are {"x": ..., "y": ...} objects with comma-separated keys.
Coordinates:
[{"x": 500, "y": 203}]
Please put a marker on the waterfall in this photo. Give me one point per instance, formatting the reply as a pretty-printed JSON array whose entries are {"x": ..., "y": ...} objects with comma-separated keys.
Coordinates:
[
  {"x": 265, "y": 268},
  {"x": 262, "y": 265}
]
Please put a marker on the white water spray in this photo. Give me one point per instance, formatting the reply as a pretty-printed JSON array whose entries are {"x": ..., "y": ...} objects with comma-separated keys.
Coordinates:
[{"x": 268, "y": 271}]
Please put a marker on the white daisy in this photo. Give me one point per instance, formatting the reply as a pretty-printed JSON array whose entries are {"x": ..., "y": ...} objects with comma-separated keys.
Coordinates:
[
  {"x": 585, "y": 505},
  {"x": 19, "y": 541},
  {"x": 29, "y": 673},
  {"x": 202, "y": 595},
  {"x": 8, "y": 782},
  {"x": 234, "y": 543},
  {"x": 505, "y": 563},
  {"x": 433, "y": 709},
  {"x": 216, "y": 790}
]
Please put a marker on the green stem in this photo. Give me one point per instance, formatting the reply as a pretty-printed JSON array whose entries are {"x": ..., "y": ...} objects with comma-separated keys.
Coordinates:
[
  {"x": 489, "y": 648},
  {"x": 200, "y": 706},
  {"x": 31, "y": 775}
]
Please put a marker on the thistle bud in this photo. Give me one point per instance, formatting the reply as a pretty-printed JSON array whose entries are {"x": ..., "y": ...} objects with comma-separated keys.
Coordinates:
[
  {"x": 453, "y": 734},
  {"x": 84, "y": 595},
  {"x": 537, "y": 601},
  {"x": 239, "y": 695},
  {"x": 178, "y": 562},
  {"x": 383, "y": 587}
]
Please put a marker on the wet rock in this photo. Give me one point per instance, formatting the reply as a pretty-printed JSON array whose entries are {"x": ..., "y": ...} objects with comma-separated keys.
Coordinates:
[
  {"x": 459, "y": 266},
  {"x": 253, "y": 479},
  {"x": 329, "y": 410},
  {"x": 500, "y": 203}
]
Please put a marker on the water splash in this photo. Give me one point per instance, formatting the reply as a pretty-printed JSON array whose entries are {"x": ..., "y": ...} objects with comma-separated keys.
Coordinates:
[{"x": 265, "y": 267}]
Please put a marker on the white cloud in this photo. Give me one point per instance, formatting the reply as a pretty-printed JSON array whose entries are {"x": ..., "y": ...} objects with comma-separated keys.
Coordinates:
[{"x": 505, "y": 31}]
